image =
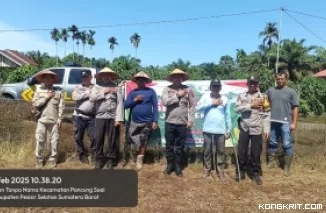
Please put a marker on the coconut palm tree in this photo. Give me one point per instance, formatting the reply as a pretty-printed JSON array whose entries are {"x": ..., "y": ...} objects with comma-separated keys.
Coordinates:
[
  {"x": 78, "y": 38},
  {"x": 90, "y": 40},
  {"x": 135, "y": 40},
  {"x": 113, "y": 43},
  {"x": 64, "y": 37},
  {"x": 83, "y": 39},
  {"x": 241, "y": 53},
  {"x": 294, "y": 57},
  {"x": 320, "y": 61},
  {"x": 270, "y": 33},
  {"x": 55, "y": 35},
  {"x": 74, "y": 30}
]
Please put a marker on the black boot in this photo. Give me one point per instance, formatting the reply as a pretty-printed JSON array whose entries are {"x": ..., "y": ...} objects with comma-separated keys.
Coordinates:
[
  {"x": 110, "y": 164},
  {"x": 287, "y": 160},
  {"x": 242, "y": 176},
  {"x": 169, "y": 169},
  {"x": 99, "y": 165},
  {"x": 84, "y": 159},
  {"x": 256, "y": 179},
  {"x": 178, "y": 170}
]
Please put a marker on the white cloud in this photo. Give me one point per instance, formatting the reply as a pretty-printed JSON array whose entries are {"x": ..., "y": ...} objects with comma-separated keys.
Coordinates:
[{"x": 27, "y": 41}]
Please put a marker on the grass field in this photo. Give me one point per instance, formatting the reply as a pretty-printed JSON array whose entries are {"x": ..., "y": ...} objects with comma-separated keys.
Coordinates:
[{"x": 192, "y": 193}]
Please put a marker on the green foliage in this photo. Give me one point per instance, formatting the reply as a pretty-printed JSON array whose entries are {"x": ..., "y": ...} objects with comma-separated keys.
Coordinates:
[
  {"x": 295, "y": 57},
  {"x": 313, "y": 90},
  {"x": 4, "y": 72},
  {"x": 22, "y": 73},
  {"x": 266, "y": 77},
  {"x": 304, "y": 109}
]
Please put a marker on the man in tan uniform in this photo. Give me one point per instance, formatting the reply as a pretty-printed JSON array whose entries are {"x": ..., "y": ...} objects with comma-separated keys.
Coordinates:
[
  {"x": 180, "y": 103},
  {"x": 254, "y": 125},
  {"x": 109, "y": 115},
  {"x": 49, "y": 104},
  {"x": 84, "y": 117}
]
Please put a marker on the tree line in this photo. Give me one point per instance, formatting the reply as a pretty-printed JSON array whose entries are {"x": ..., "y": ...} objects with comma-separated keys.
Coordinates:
[
  {"x": 86, "y": 38},
  {"x": 299, "y": 59}
]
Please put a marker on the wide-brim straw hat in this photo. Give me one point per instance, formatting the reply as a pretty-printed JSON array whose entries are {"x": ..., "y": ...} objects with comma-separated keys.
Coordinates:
[
  {"x": 141, "y": 75},
  {"x": 107, "y": 71},
  {"x": 185, "y": 76},
  {"x": 39, "y": 76}
]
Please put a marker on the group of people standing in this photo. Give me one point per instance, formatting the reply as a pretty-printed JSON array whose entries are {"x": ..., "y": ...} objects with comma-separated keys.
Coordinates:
[
  {"x": 271, "y": 115},
  {"x": 99, "y": 109}
]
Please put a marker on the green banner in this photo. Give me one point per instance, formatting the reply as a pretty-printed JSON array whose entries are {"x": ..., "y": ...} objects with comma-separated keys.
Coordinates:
[{"x": 195, "y": 137}]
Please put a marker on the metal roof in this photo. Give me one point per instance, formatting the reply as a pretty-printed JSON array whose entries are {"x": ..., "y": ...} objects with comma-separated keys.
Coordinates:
[{"x": 17, "y": 57}]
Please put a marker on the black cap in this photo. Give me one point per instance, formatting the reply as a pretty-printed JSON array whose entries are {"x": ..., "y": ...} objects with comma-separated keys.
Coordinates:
[
  {"x": 216, "y": 83},
  {"x": 86, "y": 73},
  {"x": 253, "y": 79}
]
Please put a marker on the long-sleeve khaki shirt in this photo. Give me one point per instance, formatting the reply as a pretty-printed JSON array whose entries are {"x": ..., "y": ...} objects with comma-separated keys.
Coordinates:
[
  {"x": 53, "y": 110},
  {"x": 83, "y": 106},
  {"x": 256, "y": 121},
  {"x": 108, "y": 106},
  {"x": 179, "y": 110}
]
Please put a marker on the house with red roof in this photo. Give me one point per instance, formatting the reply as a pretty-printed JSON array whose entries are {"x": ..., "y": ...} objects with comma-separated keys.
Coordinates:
[
  {"x": 321, "y": 74},
  {"x": 13, "y": 58}
]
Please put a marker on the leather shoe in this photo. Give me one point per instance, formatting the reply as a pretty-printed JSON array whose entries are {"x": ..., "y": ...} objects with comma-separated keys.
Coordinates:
[
  {"x": 178, "y": 171},
  {"x": 256, "y": 179},
  {"x": 110, "y": 165},
  {"x": 242, "y": 176},
  {"x": 84, "y": 159},
  {"x": 169, "y": 169},
  {"x": 99, "y": 165}
]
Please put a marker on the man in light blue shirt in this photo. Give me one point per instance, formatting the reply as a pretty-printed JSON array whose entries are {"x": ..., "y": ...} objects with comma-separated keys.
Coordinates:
[{"x": 216, "y": 127}]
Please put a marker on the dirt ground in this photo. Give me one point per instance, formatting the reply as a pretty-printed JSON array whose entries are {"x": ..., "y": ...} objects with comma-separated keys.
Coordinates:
[{"x": 191, "y": 193}]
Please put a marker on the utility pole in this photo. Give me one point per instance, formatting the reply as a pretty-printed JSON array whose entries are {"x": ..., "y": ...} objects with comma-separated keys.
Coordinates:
[{"x": 279, "y": 42}]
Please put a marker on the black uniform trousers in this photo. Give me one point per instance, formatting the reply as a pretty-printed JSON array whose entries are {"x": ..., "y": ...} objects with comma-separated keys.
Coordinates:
[
  {"x": 175, "y": 136},
  {"x": 256, "y": 149},
  {"x": 80, "y": 126},
  {"x": 106, "y": 127}
]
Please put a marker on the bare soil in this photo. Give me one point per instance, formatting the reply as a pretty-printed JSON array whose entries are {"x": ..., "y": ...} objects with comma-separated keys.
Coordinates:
[{"x": 191, "y": 193}]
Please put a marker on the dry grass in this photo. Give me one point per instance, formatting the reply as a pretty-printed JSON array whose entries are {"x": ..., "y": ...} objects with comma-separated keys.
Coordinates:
[{"x": 192, "y": 193}]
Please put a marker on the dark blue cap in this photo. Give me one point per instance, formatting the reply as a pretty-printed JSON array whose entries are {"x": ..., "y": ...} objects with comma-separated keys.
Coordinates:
[
  {"x": 86, "y": 73},
  {"x": 216, "y": 83}
]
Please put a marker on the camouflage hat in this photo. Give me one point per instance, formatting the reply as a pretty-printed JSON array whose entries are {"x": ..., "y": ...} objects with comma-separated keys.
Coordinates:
[
  {"x": 141, "y": 75},
  {"x": 107, "y": 71},
  {"x": 39, "y": 76},
  {"x": 185, "y": 76}
]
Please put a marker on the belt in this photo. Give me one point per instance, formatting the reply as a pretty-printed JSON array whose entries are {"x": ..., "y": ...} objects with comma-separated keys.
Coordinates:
[{"x": 84, "y": 113}]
